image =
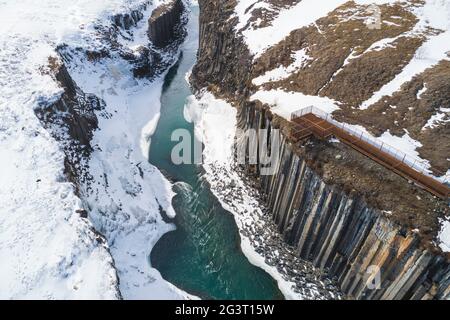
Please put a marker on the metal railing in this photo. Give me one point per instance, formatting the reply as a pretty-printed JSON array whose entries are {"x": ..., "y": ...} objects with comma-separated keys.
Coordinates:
[{"x": 415, "y": 163}]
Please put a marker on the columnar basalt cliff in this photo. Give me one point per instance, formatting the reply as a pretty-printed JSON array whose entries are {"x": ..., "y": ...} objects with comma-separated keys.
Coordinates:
[
  {"x": 345, "y": 213},
  {"x": 344, "y": 231},
  {"x": 164, "y": 22},
  {"x": 74, "y": 119}
]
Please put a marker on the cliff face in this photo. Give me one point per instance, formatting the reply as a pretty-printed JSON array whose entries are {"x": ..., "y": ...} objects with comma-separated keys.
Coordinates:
[
  {"x": 223, "y": 59},
  {"x": 339, "y": 232},
  {"x": 163, "y": 25},
  {"x": 341, "y": 211}
]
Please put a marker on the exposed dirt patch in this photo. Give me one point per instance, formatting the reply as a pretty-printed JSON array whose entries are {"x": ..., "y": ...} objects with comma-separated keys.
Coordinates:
[
  {"x": 409, "y": 110},
  {"x": 262, "y": 17},
  {"x": 337, "y": 39}
]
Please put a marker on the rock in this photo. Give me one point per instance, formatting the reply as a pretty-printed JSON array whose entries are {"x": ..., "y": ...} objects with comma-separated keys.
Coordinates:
[{"x": 83, "y": 213}]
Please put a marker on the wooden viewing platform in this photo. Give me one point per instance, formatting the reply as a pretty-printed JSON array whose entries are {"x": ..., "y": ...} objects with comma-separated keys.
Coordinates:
[{"x": 312, "y": 121}]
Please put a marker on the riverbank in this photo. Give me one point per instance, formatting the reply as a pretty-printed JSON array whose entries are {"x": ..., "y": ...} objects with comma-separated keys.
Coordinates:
[
  {"x": 123, "y": 195},
  {"x": 203, "y": 255},
  {"x": 260, "y": 241}
]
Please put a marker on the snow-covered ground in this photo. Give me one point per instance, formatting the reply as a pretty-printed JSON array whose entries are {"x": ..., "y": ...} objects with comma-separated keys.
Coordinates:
[
  {"x": 300, "y": 15},
  {"x": 128, "y": 191},
  {"x": 434, "y": 14},
  {"x": 444, "y": 236},
  {"x": 284, "y": 103},
  {"x": 46, "y": 249}
]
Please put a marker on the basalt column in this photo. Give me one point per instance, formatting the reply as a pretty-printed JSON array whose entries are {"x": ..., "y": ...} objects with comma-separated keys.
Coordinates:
[
  {"x": 371, "y": 256},
  {"x": 164, "y": 23}
]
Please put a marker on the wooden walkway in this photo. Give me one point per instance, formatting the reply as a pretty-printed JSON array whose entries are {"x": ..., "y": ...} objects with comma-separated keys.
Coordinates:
[{"x": 309, "y": 124}]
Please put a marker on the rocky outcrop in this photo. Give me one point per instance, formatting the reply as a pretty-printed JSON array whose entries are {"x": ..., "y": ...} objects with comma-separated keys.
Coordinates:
[
  {"x": 163, "y": 25},
  {"x": 77, "y": 107},
  {"x": 70, "y": 119},
  {"x": 126, "y": 21},
  {"x": 224, "y": 62}
]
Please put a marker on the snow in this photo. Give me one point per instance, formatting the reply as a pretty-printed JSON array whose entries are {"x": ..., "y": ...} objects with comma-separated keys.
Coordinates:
[
  {"x": 300, "y": 59},
  {"x": 438, "y": 119},
  {"x": 421, "y": 91},
  {"x": 284, "y": 103},
  {"x": 383, "y": 44},
  {"x": 434, "y": 14},
  {"x": 212, "y": 119},
  {"x": 47, "y": 250},
  {"x": 404, "y": 143},
  {"x": 444, "y": 236},
  {"x": 56, "y": 21},
  {"x": 300, "y": 15}
]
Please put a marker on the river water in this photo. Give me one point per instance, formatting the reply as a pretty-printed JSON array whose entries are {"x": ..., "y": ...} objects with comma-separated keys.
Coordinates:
[{"x": 203, "y": 255}]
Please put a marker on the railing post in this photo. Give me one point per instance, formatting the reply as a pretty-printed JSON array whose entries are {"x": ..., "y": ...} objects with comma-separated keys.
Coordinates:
[{"x": 422, "y": 169}]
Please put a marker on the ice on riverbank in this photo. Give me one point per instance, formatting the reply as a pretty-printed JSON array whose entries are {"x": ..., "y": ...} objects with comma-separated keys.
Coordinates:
[{"x": 216, "y": 122}]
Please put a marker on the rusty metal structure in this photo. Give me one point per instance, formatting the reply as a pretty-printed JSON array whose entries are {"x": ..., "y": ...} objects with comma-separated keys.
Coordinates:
[{"x": 312, "y": 121}]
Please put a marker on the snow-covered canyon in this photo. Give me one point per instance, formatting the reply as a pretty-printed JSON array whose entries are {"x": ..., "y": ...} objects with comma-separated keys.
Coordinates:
[
  {"x": 333, "y": 57},
  {"x": 80, "y": 90},
  {"x": 90, "y": 239}
]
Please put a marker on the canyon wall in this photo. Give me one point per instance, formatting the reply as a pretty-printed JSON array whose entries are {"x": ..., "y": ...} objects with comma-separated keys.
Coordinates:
[
  {"x": 346, "y": 214},
  {"x": 71, "y": 120},
  {"x": 340, "y": 233},
  {"x": 164, "y": 22},
  {"x": 223, "y": 62}
]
